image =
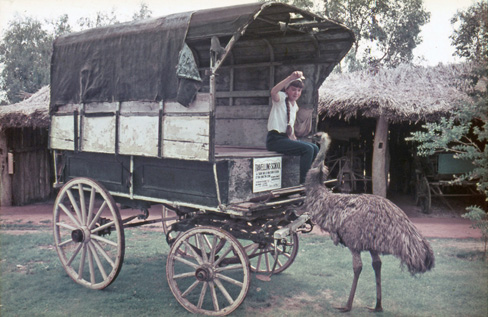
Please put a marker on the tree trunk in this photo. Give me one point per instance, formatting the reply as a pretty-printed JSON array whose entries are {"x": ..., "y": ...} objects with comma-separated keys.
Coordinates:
[{"x": 380, "y": 173}]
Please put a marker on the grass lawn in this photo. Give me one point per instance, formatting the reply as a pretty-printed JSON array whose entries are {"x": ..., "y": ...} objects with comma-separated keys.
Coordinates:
[{"x": 34, "y": 283}]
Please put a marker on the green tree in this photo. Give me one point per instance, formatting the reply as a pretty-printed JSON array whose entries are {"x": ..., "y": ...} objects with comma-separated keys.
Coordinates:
[
  {"x": 387, "y": 31},
  {"x": 470, "y": 37},
  {"x": 25, "y": 52},
  {"x": 26, "y": 48}
]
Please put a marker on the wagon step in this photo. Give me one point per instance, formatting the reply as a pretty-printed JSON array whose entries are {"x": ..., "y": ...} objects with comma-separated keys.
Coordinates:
[{"x": 285, "y": 192}]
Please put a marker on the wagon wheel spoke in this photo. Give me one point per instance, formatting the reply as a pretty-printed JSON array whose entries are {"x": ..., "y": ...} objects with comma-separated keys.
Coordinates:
[
  {"x": 97, "y": 260},
  {"x": 103, "y": 252},
  {"x": 105, "y": 226},
  {"x": 97, "y": 216},
  {"x": 66, "y": 242},
  {"x": 102, "y": 239},
  {"x": 228, "y": 279},
  {"x": 202, "y": 295},
  {"x": 185, "y": 261},
  {"x": 88, "y": 233},
  {"x": 69, "y": 214},
  {"x": 221, "y": 267},
  {"x": 82, "y": 263},
  {"x": 262, "y": 258},
  {"x": 203, "y": 244},
  {"x": 74, "y": 204},
  {"x": 82, "y": 204},
  {"x": 91, "y": 266},
  {"x": 91, "y": 206},
  {"x": 191, "y": 288},
  {"x": 215, "y": 300},
  {"x": 74, "y": 254},
  {"x": 66, "y": 226}
]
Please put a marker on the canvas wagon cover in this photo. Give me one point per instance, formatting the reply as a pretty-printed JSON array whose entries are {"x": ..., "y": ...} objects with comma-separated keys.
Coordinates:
[{"x": 135, "y": 60}]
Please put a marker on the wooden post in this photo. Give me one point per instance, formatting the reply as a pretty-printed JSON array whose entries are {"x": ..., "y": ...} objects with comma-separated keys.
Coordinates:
[
  {"x": 380, "y": 173},
  {"x": 5, "y": 178}
]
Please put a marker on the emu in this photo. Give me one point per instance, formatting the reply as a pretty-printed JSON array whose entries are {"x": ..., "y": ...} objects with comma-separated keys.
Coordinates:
[{"x": 364, "y": 223}]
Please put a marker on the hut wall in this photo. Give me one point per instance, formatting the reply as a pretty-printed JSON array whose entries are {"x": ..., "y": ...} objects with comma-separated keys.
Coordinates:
[
  {"x": 31, "y": 180},
  {"x": 5, "y": 178}
]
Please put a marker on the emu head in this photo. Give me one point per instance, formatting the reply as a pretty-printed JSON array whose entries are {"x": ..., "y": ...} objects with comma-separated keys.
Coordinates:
[
  {"x": 318, "y": 165},
  {"x": 323, "y": 139}
]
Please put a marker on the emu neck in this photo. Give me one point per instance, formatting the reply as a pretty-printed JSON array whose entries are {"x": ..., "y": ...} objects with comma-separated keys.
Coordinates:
[{"x": 318, "y": 173}]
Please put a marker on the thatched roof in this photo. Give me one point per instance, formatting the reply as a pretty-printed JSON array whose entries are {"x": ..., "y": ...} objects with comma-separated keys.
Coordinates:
[
  {"x": 32, "y": 112},
  {"x": 406, "y": 93}
]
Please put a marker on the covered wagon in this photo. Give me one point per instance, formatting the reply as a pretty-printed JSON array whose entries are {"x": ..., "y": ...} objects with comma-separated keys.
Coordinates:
[{"x": 173, "y": 111}]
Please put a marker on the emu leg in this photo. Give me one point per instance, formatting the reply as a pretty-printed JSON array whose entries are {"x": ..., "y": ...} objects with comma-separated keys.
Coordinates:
[
  {"x": 377, "y": 272},
  {"x": 357, "y": 266}
]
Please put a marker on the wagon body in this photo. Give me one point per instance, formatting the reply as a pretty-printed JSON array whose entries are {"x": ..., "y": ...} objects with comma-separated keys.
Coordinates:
[
  {"x": 435, "y": 177},
  {"x": 115, "y": 92},
  {"x": 174, "y": 111}
]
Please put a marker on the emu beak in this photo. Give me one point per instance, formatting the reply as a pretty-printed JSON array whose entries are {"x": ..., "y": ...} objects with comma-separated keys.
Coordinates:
[{"x": 317, "y": 137}]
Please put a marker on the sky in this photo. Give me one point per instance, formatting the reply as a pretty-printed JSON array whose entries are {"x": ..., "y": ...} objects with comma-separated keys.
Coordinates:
[{"x": 434, "y": 49}]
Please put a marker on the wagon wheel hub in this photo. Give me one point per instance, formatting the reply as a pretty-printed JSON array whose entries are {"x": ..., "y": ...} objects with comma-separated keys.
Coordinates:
[
  {"x": 77, "y": 235},
  {"x": 80, "y": 235},
  {"x": 204, "y": 274}
]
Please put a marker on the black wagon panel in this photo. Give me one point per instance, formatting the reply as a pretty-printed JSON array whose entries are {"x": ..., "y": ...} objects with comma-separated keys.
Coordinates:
[
  {"x": 110, "y": 170},
  {"x": 180, "y": 180}
]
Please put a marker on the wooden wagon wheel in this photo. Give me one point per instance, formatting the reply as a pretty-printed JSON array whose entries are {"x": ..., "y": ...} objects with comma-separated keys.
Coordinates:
[
  {"x": 88, "y": 233},
  {"x": 262, "y": 256},
  {"x": 422, "y": 194},
  {"x": 214, "y": 277}
]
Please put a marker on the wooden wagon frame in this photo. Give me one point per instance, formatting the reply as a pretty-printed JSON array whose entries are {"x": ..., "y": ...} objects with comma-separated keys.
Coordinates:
[
  {"x": 435, "y": 177},
  {"x": 173, "y": 111}
]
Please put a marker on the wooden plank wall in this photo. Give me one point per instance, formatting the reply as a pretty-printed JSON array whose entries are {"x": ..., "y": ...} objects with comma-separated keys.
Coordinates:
[
  {"x": 135, "y": 128},
  {"x": 32, "y": 178}
]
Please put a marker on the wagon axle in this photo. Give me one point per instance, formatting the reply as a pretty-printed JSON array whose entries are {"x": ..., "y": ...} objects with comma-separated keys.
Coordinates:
[
  {"x": 77, "y": 235},
  {"x": 204, "y": 274}
]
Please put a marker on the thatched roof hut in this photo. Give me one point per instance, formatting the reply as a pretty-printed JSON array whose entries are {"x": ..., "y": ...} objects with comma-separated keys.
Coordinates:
[
  {"x": 32, "y": 112},
  {"x": 24, "y": 150},
  {"x": 406, "y": 93}
]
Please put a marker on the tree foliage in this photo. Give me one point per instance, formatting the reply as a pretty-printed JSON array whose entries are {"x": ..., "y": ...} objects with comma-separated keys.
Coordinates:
[
  {"x": 25, "y": 52},
  {"x": 387, "y": 31},
  {"x": 470, "y": 37},
  {"x": 26, "y": 48}
]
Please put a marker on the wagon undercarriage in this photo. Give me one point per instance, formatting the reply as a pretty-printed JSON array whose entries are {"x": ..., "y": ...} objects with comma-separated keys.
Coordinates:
[{"x": 89, "y": 238}]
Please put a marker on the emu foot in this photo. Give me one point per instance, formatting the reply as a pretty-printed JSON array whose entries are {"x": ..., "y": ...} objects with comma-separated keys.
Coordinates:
[
  {"x": 377, "y": 309},
  {"x": 343, "y": 309}
]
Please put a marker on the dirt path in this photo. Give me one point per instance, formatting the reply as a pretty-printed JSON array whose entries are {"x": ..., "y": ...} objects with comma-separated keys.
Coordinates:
[{"x": 441, "y": 223}]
